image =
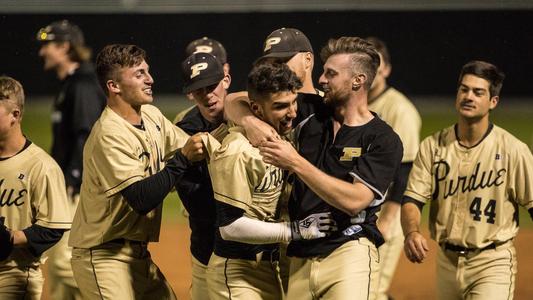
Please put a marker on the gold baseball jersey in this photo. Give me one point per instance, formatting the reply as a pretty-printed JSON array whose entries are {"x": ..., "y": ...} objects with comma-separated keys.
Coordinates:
[
  {"x": 236, "y": 160},
  {"x": 32, "y": 191},
  {"x": 474, "y": 191},
  {"x": 396, "y": 110},
  {"x": 116, "y": 155}
]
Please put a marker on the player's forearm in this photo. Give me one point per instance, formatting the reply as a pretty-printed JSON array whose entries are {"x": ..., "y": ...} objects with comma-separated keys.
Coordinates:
[
  {"x": 237, "y": 109},
  {"x": 19, "y": 238},
  {"x": 389, "y": 211},
  {"x": 250, "y": 231},
  {"x": 410, "y": 218},
  {"x": 347, "y": 197}
]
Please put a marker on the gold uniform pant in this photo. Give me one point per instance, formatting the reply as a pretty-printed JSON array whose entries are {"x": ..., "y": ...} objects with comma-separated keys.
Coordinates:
[
  {"x": 389, "y": 254},
  {"x": 241, "y": 279},
  {"x": 487, "y": 274},
  {"x": 199, "y": 281},
  {"x": 21, "y": 283},
  {"x": 119, "y": 270},
  {"x": 348, "y": 273}
]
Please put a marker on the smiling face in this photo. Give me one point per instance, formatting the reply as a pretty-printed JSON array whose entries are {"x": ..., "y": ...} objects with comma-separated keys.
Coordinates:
[
  {"x": 337, "y": 78},
  {"x": 210, "y": 101},
  {"x": 135, "y": 84},
  {"x": 474, "y": 101},
  {"x": 278, "y": 110}
]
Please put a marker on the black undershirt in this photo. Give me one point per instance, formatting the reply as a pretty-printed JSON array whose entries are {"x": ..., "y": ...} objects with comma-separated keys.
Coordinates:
[{"x": 41, "y": 238}]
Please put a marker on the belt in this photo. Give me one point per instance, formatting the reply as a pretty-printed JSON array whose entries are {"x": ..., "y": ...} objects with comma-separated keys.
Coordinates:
[
  {"x": 129, "y": 242},
  {"x": 462, "y": 250},
  {"x": 267, "y": 255}
]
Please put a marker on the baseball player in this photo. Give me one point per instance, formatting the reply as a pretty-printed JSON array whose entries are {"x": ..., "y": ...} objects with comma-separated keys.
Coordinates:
[
  {"x": 126, "y": 177},
  {"x": 476, "y": 175},
  {"x": 207, "y": 84},
  {"x": 244, "y": 262},
  {"x": 211, "y": 46},
  {"x": 76, "y": 107},
  {"x": 397, "y": 111},
  {"x": 346, "y": 162},
  {"x": 34, "y": 211}
]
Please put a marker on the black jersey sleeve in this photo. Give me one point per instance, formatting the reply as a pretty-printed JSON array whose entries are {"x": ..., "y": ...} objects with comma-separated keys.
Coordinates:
[
  {"x": 227, "y": 214},
  {"x": 41, "y": 238},
  {"x": 378, "y": 163}
]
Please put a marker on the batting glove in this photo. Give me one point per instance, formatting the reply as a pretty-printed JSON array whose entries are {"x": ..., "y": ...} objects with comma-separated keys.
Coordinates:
[
  {"x": 6, "y": 241},
  {"x": 315, "y": 226}
]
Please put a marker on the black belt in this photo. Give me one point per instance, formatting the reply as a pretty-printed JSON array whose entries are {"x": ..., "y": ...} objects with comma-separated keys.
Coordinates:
[
  {"x": 268, "y": 255},
  {"x": 463, "y": 250}
]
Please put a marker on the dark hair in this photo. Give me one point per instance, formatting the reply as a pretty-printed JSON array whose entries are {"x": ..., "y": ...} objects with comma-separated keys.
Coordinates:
[
  {"x": 487, "y": 71},
  {"x": 270, "y": 78},
  {"x": 10, "y": 88},
  {"x": 381, "y": 47},
  {"x": 365, "y": 58},
  {"x": 114, "y": 57},
  {"x": 79, "y": 54}
]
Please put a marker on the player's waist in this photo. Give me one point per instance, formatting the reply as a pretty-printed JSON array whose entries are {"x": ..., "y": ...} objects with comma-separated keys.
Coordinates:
[
  {"x": 460, "y": 250},
  {"x": 268, "y": 253}
]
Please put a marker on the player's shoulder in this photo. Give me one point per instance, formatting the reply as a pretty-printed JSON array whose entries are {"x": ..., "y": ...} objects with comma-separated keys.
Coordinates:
[
  {"x": 511, "y": 143},
  {"x": 186, "y": 115},
  {"x": 236, "y": 144},
  {"x": 442, "y": 137},
  {"x": 151, "y": 111},
  {"x": 39, "y": 158}
]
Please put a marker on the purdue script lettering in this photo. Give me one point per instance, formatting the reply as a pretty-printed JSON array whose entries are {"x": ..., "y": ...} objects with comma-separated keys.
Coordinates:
[
  {"x": 463, "y": 184},
  {"x": 272, "y": 180},
  {"x": 10, "y": 197}
]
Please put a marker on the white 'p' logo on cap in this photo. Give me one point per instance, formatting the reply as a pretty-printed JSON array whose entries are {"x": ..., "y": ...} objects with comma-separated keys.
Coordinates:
[
  {"x": 197, "y": 68},
  {"x": 271, "y": 41},
  {"x": 203, "y": 49}
]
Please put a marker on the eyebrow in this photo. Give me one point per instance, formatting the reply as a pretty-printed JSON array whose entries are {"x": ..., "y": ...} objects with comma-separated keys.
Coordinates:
[{"x": 476, "y": 89}]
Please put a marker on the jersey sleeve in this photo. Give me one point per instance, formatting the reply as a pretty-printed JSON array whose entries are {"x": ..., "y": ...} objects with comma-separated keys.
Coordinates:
[
  {"x": 376, "y": 168},
  {"x": 407, "y": 125},
  {"x": 521, "y": 178},
  {"x": 49, "y": 198},
  {"x": 234, "y": 178},
  {"x": 419, "y": 185},
  {"x": 174, "y": 137},
  {"x": 115, "y": 163}
]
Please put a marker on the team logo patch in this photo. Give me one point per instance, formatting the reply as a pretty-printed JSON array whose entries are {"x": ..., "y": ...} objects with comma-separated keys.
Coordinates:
[
  {"x": 498, "y": 157},
  {"x": 21, "y": 176},
  {"x": 349, "y": 153},
  {"x": 203, "y": 49},
  {"x": 270, "y": 42},
  {"x": 197, "y": 68},
  {"x": 354, "y": 229}
]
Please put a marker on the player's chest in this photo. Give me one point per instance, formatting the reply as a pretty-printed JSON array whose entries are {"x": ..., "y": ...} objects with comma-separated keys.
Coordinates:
[
  {"x": 477, "y": 170},
  {"x": 14, "y": 190}
]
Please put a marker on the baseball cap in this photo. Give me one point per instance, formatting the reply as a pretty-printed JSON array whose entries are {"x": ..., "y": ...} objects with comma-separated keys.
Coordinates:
[
  {"x": 61, "y": 31},
  {"x": 201, "y": 70},
  {"x": 207, "y": 45},
  {"x": 285, "y": 43}
]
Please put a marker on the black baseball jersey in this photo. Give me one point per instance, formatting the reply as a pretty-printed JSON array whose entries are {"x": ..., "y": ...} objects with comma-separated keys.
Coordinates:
[
  {"x": 77, "y": 106},
  {"x": 370, "y": 154},
  {"x": 196, "y": 193}
]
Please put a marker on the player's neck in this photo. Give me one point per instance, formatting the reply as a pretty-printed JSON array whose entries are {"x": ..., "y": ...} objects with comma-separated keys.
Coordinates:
[
  {"x": 470, "y": 133},
  {"x": 66, "y": 69},
  {"x": 130, "y": 113},
  {"x": 353, "y": 112},
  {"x": 12, "y": 143}
]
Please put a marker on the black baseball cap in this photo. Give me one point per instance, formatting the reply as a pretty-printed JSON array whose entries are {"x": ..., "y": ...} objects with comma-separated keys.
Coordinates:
[
  {"x": 207, "y": 45},
  {"x": 285, "y": 43},
  {"x": 201, "y": 70},
  {"x": 61, "y": 31}
]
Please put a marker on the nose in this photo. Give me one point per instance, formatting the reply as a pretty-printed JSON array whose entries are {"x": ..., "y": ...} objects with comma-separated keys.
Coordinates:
[
  {"x": 322, "y": 80},
  {"x": 292, "y": 111},
  {"x": 149, "y": 79}
]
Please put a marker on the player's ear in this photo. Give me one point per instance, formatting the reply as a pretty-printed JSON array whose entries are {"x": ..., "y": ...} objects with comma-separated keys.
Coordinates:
[
  {"x": 226, "y": 68},
  {"x": 113, "y": 86},
  {"x": 226, "y": 81},
  {"x": 256, "y": 109},
  {"x": 358, "y": 80},
  {"x": 16, "y": 115},
  {"x": 494, "y": 102},
  {"x": 308, "y": 60}
]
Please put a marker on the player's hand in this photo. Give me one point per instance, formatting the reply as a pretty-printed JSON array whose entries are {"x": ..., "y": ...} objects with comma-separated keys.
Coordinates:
[
  {"x": 6, "y": 240},
  {"x": 315, "y": 226},
  {"x": 415, "y": 247},
  {"x": 279, "y": 153},
  {"x": 194, "y": 148},
  {"x": 257, "y": 131}
]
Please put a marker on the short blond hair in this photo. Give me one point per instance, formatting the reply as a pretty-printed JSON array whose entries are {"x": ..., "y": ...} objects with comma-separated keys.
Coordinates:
[{"x": 11, "y": 91}]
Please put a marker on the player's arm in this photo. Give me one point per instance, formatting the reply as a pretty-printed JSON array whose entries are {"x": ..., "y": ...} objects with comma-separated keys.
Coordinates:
[
  {"x": 415, "y": 245},
  {"x": 234, "y": 226},
  {"x": 350, "y": 198},
  {"x": 237, "y": 109},
  {"x": 36, "y": 238},
  {"x": 149, "y": 193},
  {"x": 391, "y": 208}
]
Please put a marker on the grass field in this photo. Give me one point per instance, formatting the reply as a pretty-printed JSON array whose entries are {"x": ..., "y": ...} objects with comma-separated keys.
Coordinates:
[{"x": 436, "y": 114}]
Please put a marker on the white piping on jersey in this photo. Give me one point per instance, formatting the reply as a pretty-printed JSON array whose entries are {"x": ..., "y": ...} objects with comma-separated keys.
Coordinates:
[
  {"x": 299, "y": 127},
  {"x": 374, "y": 202}
]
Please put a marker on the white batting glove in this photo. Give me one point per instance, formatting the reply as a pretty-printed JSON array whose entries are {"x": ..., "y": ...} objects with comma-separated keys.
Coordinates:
[{"x": 315, "y": 226}]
